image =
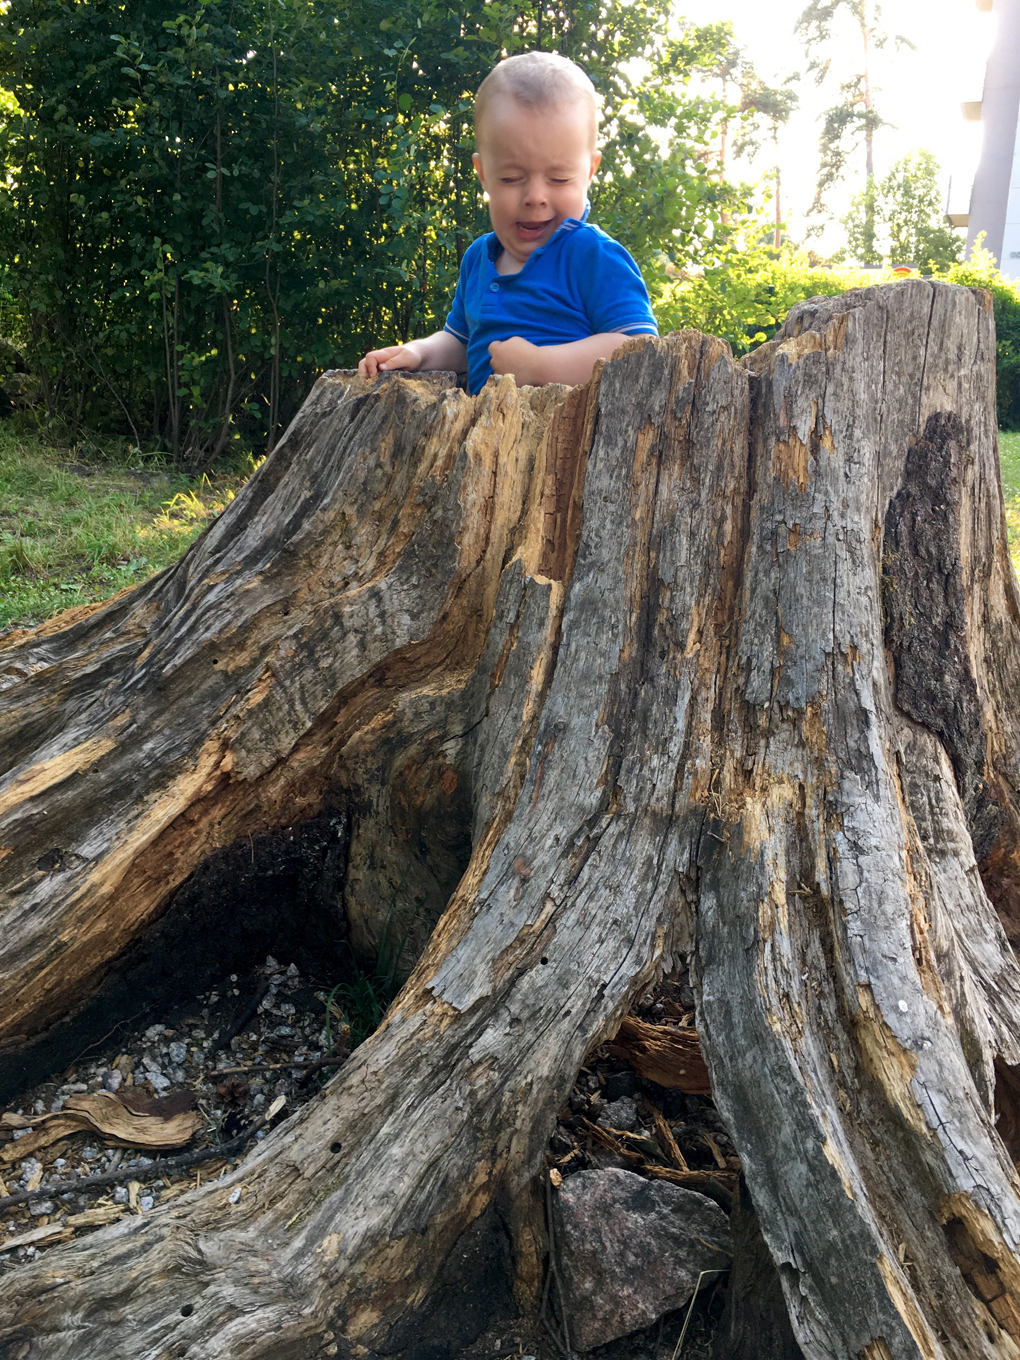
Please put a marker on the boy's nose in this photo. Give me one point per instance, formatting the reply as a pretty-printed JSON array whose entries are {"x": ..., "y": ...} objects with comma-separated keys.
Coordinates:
[{"x": 535, "y": 192}]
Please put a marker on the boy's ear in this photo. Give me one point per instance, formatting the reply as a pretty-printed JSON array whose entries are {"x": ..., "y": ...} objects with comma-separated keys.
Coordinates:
[
  {"x": 596, "y": 161},
  {"x": 477, "y": 162}
]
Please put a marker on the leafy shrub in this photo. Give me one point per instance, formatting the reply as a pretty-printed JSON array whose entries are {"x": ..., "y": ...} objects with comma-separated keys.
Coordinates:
[
  {"x": 206, "y": 205},
  {"x": 744, "y": 297},
  {"x": 981, "y": 271}
]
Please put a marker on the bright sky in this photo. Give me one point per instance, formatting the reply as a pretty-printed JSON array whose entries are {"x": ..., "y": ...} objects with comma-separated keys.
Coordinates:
[{"x": 920, "y": 91}]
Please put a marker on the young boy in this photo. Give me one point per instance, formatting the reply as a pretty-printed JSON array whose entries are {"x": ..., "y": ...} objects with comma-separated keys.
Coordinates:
[{"x": 545, "y": 293}]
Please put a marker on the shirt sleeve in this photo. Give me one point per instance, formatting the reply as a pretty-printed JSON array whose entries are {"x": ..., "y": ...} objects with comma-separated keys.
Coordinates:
[
  {"x": 456, "y": 322},
  {"x": 612, "y": 290}
]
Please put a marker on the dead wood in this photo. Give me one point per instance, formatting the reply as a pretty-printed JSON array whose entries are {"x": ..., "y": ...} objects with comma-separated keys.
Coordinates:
[{"x": 706, "y": 660}]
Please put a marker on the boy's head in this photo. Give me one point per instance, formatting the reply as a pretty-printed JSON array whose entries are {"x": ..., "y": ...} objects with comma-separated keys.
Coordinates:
[{"x": 535, "y": 122}]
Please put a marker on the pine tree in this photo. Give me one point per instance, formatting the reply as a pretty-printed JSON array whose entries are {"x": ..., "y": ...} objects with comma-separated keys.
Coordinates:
[
  {"x": 771, "y": 106},
  {"x": 854, "y": 118}
]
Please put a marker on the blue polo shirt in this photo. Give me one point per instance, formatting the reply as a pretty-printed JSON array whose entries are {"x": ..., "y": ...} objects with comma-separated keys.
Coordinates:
[{"x": 580, "y": 283}]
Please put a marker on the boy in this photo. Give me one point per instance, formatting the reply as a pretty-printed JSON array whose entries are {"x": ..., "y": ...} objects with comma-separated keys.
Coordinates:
[{"x": 545, "y": 293}]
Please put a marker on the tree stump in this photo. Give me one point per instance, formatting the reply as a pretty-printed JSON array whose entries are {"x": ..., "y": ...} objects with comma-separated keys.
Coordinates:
[{"x": 706, "y": 660}]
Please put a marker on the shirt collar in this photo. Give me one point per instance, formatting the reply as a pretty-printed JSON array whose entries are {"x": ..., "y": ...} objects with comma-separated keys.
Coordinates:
[{"x": 568, "y": 224}]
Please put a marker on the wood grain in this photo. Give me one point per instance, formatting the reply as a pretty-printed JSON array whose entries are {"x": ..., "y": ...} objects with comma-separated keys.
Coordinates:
[{"x": 705, "y": 661}]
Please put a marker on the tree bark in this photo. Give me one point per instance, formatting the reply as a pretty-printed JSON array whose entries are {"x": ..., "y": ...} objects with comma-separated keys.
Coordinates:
[{"x": 705, "y": 660}]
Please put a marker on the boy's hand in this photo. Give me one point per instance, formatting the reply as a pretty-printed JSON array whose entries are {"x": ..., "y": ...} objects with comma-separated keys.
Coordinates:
[
  {"x": 393, "y": 356},
  {"x": 519, "y": 357}
]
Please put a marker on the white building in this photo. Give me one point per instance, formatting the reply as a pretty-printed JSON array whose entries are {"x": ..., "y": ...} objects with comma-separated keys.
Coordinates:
[{"x": 995, "y": 197}]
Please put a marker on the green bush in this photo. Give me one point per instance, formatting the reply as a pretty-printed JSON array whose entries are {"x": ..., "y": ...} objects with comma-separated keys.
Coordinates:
[
  {"x": 205, "y": 205},
  {"x": 981, "y": 271},
  {"x": 745, "y": 295}
]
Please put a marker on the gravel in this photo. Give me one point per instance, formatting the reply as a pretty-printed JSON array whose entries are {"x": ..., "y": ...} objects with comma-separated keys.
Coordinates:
[{"x": 186, "y": 1052}]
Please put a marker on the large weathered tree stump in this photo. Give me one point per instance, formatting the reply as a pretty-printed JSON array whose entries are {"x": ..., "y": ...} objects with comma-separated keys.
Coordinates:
[{"x": 707, "y": 659}]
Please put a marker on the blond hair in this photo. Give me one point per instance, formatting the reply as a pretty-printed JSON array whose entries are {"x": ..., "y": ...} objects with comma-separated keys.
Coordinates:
[{"x": 538, "y": 80}]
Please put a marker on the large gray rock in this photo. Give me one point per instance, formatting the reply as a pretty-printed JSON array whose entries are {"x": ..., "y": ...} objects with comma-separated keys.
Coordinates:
[{"x": 630, "y": 1250}]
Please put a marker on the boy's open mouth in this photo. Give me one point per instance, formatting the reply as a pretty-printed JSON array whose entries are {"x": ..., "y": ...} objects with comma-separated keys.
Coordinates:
[{"x": 531, "y": 231}]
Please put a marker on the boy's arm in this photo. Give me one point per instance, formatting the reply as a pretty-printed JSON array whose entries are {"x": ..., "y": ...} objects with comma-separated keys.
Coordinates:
[
  {"x": 439, "y": 351},
  {"x": 534, "y": 365}
]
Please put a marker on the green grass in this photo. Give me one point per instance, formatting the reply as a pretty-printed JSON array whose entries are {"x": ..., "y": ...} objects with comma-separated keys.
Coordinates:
[
  {"x": 1009, "y": 461},
  {"x": 77, "y": 524}
]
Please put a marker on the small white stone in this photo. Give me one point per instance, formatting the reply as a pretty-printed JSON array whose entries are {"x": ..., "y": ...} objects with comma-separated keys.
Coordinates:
[
  {"x": 30, "y": 1167},
  {"x": 234, "y": 1195},
  {"x": 903, "y": 1006}
]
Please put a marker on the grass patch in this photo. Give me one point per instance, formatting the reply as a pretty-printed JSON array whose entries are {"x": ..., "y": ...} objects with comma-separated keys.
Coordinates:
[
  {"x": 79, "y": 524},
  {"x": 1009, "y": 461}
]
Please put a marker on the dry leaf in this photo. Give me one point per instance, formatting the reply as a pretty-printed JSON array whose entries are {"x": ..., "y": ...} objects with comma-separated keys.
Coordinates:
[
  {"x": 669, "y": 1057},
  {"x": 233, "y": 1091},
  {"x": 555, "y": 1178},
  {"x": 133, "y": 1189},
  {"x": 123, "y": 1119},
  {"x": 35, "y": 1180}
]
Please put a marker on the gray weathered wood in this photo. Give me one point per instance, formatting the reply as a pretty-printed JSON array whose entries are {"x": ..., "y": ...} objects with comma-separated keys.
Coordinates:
[{"x": 755, "y": 706}]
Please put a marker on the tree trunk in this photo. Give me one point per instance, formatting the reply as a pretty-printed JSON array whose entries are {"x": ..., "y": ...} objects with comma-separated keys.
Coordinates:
[{"x": 706, "y": 659}]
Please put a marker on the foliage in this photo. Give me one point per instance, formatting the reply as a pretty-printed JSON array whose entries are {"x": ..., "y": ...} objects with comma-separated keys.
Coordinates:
[
  {"x": 769, "y": 107},
  {"x": 906, "y": 209},
  {"x": 981, "y": 271},
  {"x": 362, "y": 1001},
  {"x": 73, "y": 532},
  {"x": 853, "y": 119},
  {"x": 207, "y": 205},
  {"x": 862, "y": 225},
  {"x": 745, "y": 294}
]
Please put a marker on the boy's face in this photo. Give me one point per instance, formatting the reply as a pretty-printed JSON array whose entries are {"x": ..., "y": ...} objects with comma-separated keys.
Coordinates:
[{"x": 536, "y": 166}]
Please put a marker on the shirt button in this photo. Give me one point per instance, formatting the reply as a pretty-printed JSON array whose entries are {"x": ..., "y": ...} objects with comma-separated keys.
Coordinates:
[{"x": 493, "y": 287}]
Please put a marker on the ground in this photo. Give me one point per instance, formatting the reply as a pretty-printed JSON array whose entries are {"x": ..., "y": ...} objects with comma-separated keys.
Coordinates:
[
  {"x": 80, "y": 521},
  {"x": 261, "y": 1044}
]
